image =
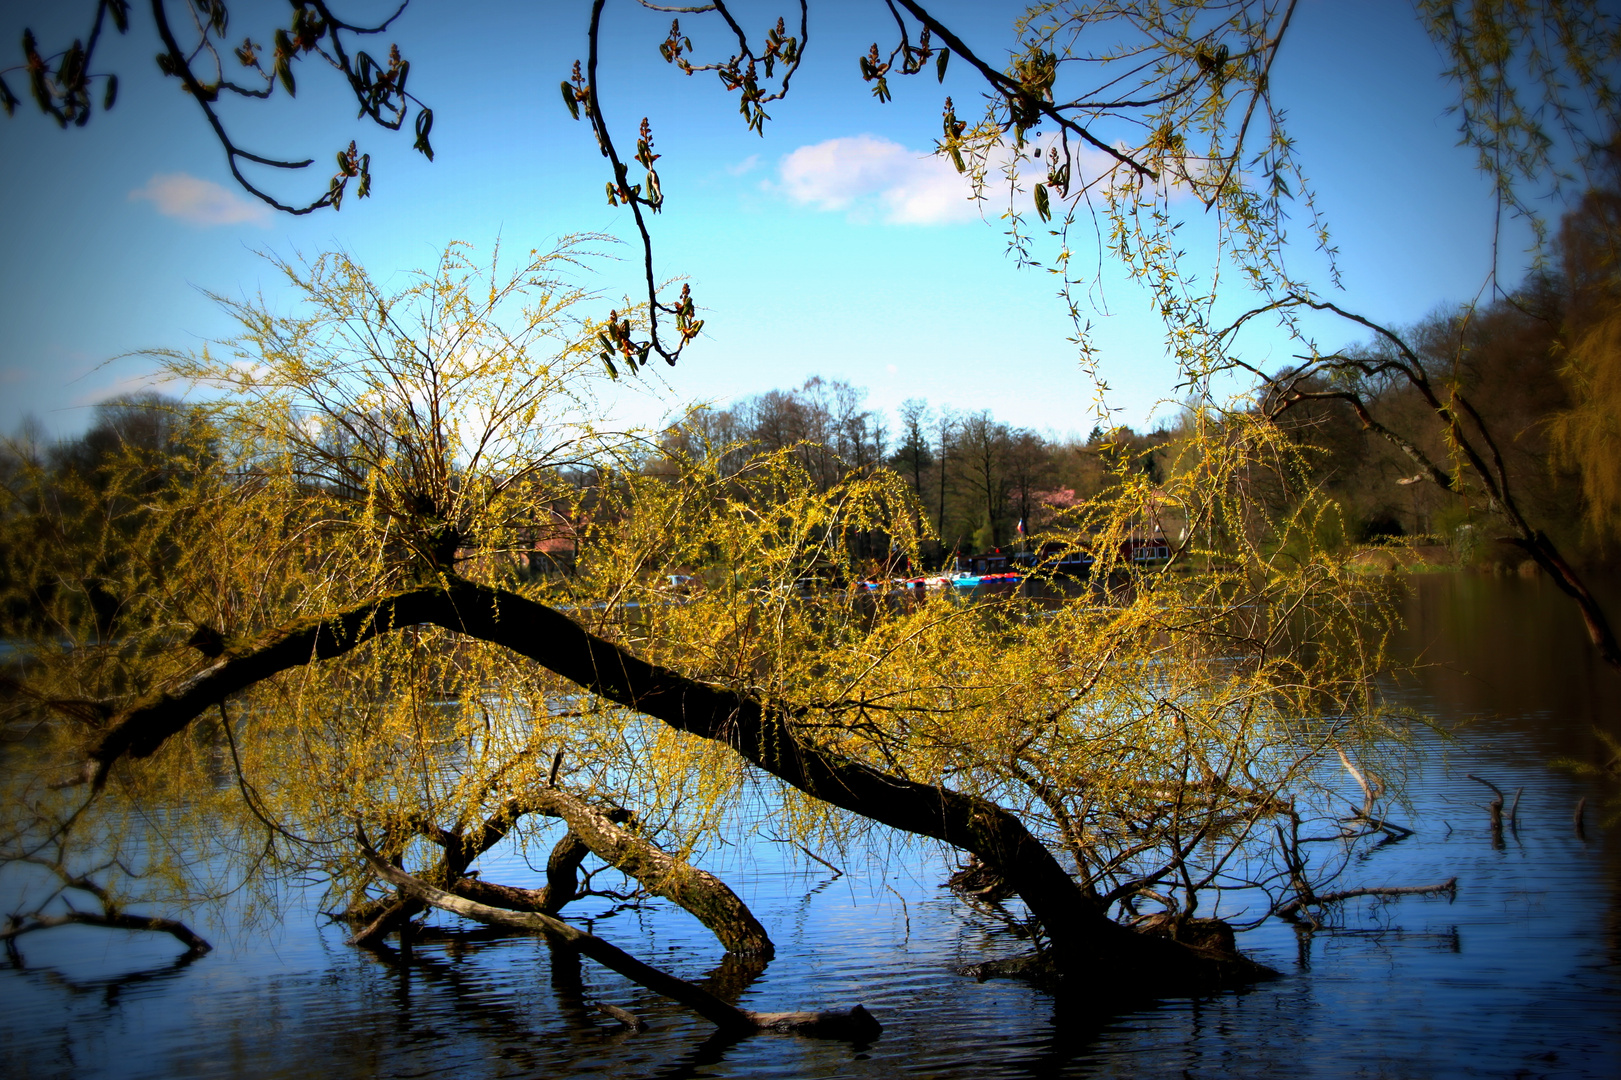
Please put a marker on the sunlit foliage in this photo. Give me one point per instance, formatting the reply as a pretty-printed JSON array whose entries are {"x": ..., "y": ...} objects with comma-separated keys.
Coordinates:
[{"x": 1167, "y": 729}]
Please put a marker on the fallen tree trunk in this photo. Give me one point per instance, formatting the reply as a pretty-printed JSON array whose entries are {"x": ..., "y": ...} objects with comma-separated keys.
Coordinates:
[
  {"x": 511, "y": 897},
  {"x": 1083, "y": 939},
  {"x": 391, "y": 915},
  {"x": 854, "y": 1024}
]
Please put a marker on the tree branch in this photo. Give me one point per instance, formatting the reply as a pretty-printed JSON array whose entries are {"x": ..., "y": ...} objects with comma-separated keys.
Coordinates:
[
  {"x": 1292, "y": 909},
  {"x": 1081, "y": 936},
  {"x": 856, "y": 1024},
  {"x": 117, "y": 920}
]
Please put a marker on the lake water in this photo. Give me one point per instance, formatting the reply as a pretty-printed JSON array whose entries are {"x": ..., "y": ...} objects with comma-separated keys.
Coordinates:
[{"x": 1518, "y": 976}]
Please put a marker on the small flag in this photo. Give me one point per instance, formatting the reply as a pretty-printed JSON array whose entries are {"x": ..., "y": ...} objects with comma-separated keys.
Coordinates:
[{"x": 1021, "y": 526}]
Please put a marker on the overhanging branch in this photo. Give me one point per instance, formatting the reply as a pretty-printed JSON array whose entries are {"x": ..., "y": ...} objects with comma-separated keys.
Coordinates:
[{"x": 1081, "y": 935}]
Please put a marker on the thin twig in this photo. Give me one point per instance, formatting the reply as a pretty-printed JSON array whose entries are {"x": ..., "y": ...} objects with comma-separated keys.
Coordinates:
[
  {"x": 837, "y": 873},
  {"x": 1292, "y": 909}
]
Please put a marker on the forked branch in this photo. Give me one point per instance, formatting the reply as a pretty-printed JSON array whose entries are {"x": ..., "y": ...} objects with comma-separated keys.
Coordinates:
[{"x": 855, "y": 1024}]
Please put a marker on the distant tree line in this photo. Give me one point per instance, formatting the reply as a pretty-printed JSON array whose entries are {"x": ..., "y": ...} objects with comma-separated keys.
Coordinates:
[
  {"x": 1539, "y": 367},
  {"x": 978, "y": 480}
]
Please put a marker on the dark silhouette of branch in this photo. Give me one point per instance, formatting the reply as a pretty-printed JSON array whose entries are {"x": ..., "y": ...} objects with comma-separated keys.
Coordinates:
[
  {"x": 1462, "y": 427},
  {"x": 61, "y": 83},
  {"x": 1293, "y": 909},
  {"x": 18, "y": 925}
]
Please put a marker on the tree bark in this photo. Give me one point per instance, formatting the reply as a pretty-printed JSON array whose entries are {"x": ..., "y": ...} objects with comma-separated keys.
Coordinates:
[
  {"x": 1084, "y": 940},
  {"x": 562, "y": 882},
  {"x": 701, "y": 893},
  {"x": 603, "y": 833}
]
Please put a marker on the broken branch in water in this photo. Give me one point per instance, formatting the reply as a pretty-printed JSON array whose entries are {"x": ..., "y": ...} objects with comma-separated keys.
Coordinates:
[
  {"x": 1391, "y": 830},
  {"x": 1372, "y": 788},
  {"x": 1495, "y": 789},
  {"x": 1294, "y": 909},
  {"x": 625, "y": 1017},
  {"x": 111, "y": 915},
  {"x": 837, "y": 873},
  {"x": 1496, "y": 808},
  {"x": 856, "y": 1024}
]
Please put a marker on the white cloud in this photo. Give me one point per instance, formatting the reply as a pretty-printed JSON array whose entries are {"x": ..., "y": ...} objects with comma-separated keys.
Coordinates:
[
  {"x": 866, "y": 176},
  {"x": 870, "y": 178},
  {"x": 747, "y": 165},
  {"x": 199, "y": 202}
]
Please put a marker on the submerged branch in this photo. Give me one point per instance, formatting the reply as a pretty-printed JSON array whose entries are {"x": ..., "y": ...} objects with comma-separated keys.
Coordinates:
[
  {"x": 1292, "y": 910},
  {"x": 605, "y": 833},
  {"x": 855, "y": 1024}
]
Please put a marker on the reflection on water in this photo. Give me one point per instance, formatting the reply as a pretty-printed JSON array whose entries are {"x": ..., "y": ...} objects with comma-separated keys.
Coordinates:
[{"x": 1520, "y": 975}]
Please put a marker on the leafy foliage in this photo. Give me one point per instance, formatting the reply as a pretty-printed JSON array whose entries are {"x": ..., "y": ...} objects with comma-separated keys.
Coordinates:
[
  {"x": 1163, "y": 730},
  {"x": 1173, "y": 734}
]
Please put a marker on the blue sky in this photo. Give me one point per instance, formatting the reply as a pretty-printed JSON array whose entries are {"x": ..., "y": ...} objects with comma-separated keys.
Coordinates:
[{"x": 832, "y": 246}]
